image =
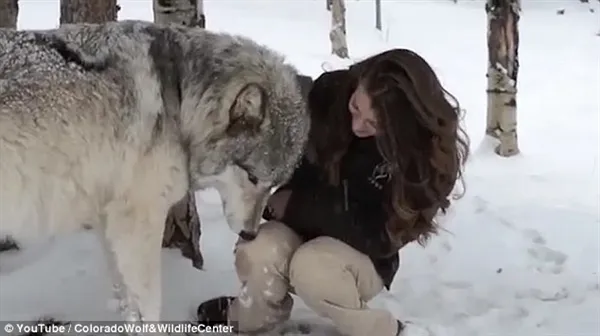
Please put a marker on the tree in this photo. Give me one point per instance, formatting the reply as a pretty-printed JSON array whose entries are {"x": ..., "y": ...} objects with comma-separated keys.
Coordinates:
[
  {"x": 378, "y": 14},
  {"x": 182, "y": 226},
  {"x": 201, "y": 15},
  {"x": 9, "y": 12},
  {"x": 598, "y": 33},
  {"x": 337, "y": 35},
  {"x": 185, "y": 12},
  {"x": 503, "y": 67},
  {"x": 88, "y": 11}
]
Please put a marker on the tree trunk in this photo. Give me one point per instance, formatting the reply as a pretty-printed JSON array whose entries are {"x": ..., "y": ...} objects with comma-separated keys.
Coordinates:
[
  {"x": 185, "y": 12},
  {"x": 598, "y": 33},
  {"x": 378, "y": 14},
  {"x": 88, "y": 11},
  {"x": 328, "y": 4},
  {"x": 337, "y": 35},
  {"x": 200, "y": 13},
  {"x": 503, "y": 68},
  {"x": 182, "y": 227},
  {"x": 9, "y": 12}
]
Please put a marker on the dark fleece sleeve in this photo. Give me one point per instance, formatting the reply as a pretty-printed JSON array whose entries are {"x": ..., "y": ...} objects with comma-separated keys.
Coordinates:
[
  {"x": 321, "y": 211},
  {"x": 305, "y": 176}
]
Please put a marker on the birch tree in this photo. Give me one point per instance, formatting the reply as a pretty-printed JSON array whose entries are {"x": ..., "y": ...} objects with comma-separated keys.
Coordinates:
[
  {"x": 337, "y": 35},
  {"x": 185, "y": 12},
  {"x": 378, "y": 14},
  {"x": 88, "y": 11},
  {"x": 503, "y": 67},
  {"x": 9, "y": 12},
  {"x": 598, "y": 33},
  {"x": 182, "y": 226}
]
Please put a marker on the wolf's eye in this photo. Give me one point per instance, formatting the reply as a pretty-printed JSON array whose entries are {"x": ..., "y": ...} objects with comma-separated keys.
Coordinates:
[{"x": 253, "y": 179}]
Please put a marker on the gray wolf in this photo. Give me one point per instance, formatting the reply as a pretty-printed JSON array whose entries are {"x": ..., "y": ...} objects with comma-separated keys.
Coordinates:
[{"x": 106, "y": 126}]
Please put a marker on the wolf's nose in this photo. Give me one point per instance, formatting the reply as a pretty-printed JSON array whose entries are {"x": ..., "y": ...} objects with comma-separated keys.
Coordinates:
[{"x": 246, "y": 235}]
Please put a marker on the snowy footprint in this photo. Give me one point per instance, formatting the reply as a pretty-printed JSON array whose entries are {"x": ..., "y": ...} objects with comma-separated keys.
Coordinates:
[
  {"x": 544, "y": 259},
  {"x": 547, "y": 259}
]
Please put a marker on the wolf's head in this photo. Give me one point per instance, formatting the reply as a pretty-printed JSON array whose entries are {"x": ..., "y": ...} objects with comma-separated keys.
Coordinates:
[{"x": 245, "y": 122}]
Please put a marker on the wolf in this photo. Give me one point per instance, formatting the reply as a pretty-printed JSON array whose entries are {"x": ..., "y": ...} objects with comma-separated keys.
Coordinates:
[{"x": 106, "y": 126}]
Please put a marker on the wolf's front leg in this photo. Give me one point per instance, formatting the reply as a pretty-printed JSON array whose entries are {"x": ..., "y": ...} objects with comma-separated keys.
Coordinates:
[
  {"x": 133, "y": 238},
  {"x": 114, "y": 275}
]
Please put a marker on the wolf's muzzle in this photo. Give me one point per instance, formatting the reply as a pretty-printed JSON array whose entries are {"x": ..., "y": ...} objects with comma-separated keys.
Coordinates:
[{"x": 247, "y": 236}]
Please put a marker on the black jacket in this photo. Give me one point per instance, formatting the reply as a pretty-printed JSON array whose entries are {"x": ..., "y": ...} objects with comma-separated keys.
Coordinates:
[{"x": 352, "y": 212}]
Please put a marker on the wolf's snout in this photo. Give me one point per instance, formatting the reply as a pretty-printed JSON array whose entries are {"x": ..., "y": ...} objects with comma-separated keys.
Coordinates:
[
  {"x": 247, "y": 235},
  {"x": 244, "y": 212}
]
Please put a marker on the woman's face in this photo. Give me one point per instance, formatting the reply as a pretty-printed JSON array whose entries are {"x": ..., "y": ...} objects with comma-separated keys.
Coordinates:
[{"x": 364, "y": 123}]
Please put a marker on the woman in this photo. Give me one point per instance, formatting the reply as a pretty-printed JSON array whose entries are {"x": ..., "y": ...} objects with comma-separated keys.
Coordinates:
[{"x": 385, "y": 152}]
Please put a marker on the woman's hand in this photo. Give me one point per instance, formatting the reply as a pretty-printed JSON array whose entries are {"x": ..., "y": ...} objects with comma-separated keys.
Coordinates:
[{"x": 277, "y": 203}]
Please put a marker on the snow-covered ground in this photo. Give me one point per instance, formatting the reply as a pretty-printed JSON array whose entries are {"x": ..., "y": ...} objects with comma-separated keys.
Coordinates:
[{"x": 521, "y": 251}]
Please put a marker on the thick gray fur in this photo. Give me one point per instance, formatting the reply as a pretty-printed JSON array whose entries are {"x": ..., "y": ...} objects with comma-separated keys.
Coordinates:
[{"x": 105, "y": 126}]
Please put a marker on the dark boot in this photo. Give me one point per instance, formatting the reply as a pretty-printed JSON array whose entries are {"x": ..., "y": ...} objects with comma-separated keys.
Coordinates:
[{"x": 214, "y": 311}]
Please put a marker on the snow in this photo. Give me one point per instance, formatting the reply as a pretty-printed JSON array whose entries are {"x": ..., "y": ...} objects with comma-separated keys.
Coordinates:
[{"x": 520, "y": 251}]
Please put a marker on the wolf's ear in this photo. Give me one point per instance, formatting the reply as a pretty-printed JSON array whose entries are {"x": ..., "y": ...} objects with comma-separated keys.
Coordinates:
[{"x": 247, "y": 111}]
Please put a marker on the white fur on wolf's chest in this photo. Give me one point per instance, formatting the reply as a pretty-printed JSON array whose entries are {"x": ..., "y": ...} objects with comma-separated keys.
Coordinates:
[
  {"x": 46, "y": 180},
  {"x": 33, "y": 212},
  {"x": 48, "y": 190},
  {"x": 37, "y": 206}
]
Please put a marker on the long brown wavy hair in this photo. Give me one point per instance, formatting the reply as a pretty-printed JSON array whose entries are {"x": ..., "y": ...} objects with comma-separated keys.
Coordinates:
[{"x": 420, "y": 137}]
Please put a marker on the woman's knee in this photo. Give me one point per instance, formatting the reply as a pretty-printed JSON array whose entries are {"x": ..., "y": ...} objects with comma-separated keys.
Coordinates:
[
  {"x": 277, "y": 231},
  {"x": 327, "y": 259},
  {"x": 322, "y": 254},
  {"x": 275, "y": 243},
  {"x": 326, "y": 250}
]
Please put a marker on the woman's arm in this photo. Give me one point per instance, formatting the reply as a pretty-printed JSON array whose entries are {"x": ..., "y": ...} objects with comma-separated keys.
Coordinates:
[
  {"x": 324, "y": 211},
  {"x": 306, "y": 176}
]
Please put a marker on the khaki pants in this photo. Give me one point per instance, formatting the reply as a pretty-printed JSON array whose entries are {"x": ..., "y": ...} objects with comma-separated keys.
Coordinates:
[{"x": 332, "y": 278}]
